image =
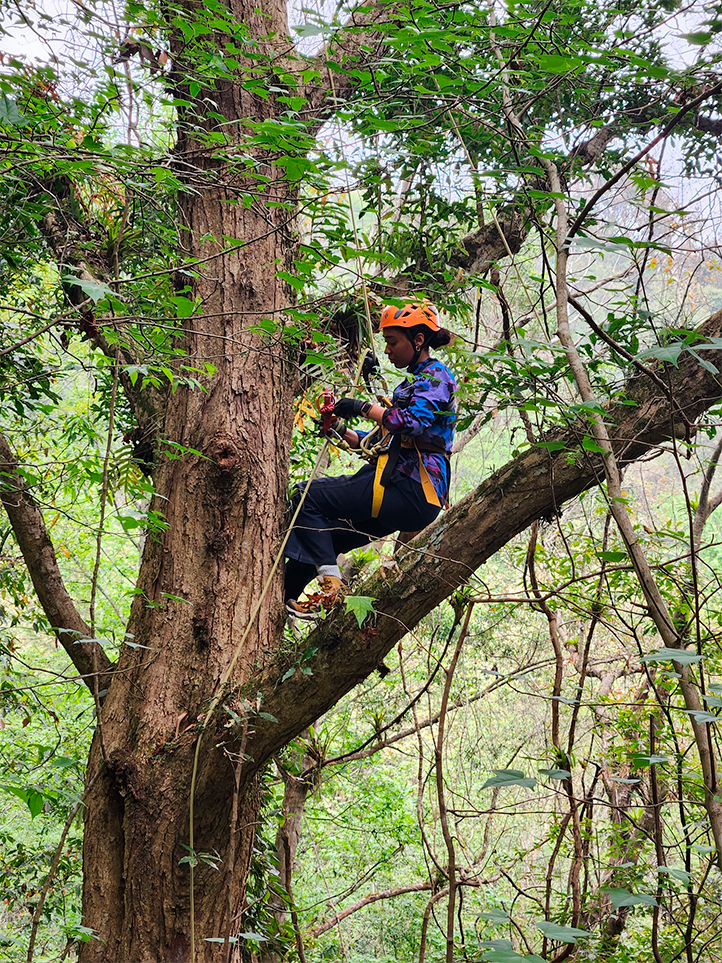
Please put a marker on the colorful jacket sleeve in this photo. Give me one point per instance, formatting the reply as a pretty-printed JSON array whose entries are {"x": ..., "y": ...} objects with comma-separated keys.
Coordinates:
[{"x": 421, "y": 403}]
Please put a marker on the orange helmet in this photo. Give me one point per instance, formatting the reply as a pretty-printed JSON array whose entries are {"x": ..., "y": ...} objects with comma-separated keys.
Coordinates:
[{"x": 408, "y": 316}]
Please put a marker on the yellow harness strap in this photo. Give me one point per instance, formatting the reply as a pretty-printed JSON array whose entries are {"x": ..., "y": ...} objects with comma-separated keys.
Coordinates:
[
  {"x": 429, "y": 491},
  {"x": 431, "y": 497},
  {"x": 378, "y": 487}
]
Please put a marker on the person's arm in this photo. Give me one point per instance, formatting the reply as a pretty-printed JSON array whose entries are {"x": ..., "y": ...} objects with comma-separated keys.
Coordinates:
[
  {"x": 351, "y": 438},
  {"x": 428, "y": 397},
  {"x": 375, "y": 413}
]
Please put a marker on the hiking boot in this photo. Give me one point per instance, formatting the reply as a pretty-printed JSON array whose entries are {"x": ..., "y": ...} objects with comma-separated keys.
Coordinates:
[
  {"x": 306, "y": 611},
  {"x": 332, "y": 590}
]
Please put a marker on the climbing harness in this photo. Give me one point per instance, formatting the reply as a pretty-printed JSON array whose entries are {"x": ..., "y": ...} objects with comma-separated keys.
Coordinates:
[
  {"x": 386, "y": 462},
  {"x": 379, "y": 446}
]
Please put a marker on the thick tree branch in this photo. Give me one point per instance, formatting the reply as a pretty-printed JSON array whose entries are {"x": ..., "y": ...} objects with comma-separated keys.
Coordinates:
[
  {"x": 708, "y": 125},
  {"x": 592, "y": 149},
  {"x": 475, "y": 253},
  {"x": 534, "y": 485},
  {"x": 32, "y": 536}
]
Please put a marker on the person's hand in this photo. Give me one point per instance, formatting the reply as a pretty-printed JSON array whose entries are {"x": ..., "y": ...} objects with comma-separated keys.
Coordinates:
[
  {"x": 350, "y": 407},
  {"x": 335, "y": 430},
  {"x": 370, "y": 367}
]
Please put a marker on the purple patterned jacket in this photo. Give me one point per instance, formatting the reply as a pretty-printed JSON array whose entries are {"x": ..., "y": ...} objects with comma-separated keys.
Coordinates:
[{"x": 424, "y": 409}]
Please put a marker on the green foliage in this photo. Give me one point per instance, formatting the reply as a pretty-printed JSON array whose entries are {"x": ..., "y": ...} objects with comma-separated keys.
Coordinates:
[{"x": 416, "y": 164}]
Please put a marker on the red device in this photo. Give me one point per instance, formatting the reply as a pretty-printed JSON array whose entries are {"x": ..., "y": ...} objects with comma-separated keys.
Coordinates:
[{"x": 326, "y": 409}]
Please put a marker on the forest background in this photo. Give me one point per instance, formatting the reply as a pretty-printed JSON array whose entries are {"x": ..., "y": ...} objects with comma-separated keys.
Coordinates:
[{"x": 203, "y": 206}]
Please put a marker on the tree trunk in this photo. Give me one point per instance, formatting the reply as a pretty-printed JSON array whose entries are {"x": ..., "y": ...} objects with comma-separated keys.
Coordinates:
[{"x": 200, "y": 578}]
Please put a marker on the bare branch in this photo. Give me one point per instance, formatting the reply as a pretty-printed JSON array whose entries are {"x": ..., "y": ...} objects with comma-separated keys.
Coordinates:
[
  {"x": 705, "y": 507},
  {"x": 366, "y": 901},
  {"x": 32, "y": 536}
]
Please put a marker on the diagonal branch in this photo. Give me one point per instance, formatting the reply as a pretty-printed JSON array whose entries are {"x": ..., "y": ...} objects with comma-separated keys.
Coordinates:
[
  {"x": 32, "y": 536},
  {"x": 357, "y": 44},
  {"x": 366, "y": 901},
  {"x": 69, "y": 240},
  {"x": 673, "y": 122},
  {"x": 533, "y": 485}
]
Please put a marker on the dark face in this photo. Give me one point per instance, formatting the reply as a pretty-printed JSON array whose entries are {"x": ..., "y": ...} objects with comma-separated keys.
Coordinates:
[{"x": 399, "y": 350}]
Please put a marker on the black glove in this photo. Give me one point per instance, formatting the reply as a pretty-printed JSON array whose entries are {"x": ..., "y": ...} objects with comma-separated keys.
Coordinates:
[
  {"x": 335, "y": 431},
  {"x": 350, "y": 407},
  {"x": 370, "y": 367}
]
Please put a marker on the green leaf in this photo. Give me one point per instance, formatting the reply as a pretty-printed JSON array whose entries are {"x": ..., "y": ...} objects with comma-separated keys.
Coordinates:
[
  {"x": 31, "y": 797},
  {"x": 256, "y": 937},
  {"x": 701, "y": 717},
  {"x": 707, "y": 365},
  {"x": 622, "y": 897},
  {"x": 10, "y": 116},
  {"x": 496, "y": 916},
  {"x": 703, "y": 850},
  {"x": 361, "y": 606},
  {"x": 589, "y": 444},
  {"x": 288, "y": 673},
  {"x": 563, "y": 934},
  {"x": 64, "y": 762},
  {"x": 312, "y": 29},
  {"x": 642, "y": 761},
  {"x": 612, "y": 556},
  {"x": 673, "y": 655},
  {"x": 500, "y": 951},
  {"x": 554, "y": 64},
  {"x": 669, "y": 353},
  {"x": 556, "y": 773},
  {"x": 297, "y": 283},
  {"x": 509, "y": 777},
  {"x": 96, "y": 290},
  {"x": 679, "y": 874},
  {"x": 183, "y": 307},
  {"x": 35, "y": 804},
  {"x": 268, "y": 716}
]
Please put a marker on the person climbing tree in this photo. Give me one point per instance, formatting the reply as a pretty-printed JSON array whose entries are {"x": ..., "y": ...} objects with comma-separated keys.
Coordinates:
[{"x": 406, "y": 481}]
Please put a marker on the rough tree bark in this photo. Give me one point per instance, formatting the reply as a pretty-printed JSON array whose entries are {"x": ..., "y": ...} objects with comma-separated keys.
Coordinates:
[{"x": 200, "y": 579}]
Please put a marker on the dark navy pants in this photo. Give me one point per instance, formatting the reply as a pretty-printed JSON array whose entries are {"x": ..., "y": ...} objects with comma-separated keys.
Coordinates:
[{"x": 336, "y": 517}]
